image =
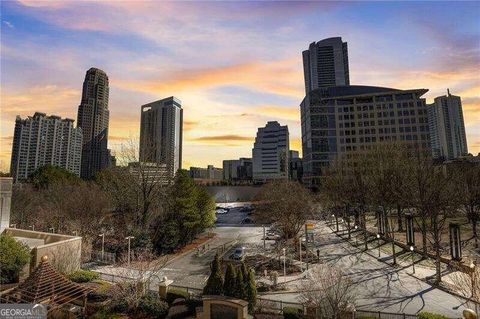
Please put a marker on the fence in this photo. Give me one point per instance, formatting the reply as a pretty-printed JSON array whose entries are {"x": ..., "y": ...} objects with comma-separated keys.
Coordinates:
[
  {"x": 264, "y": 304},
  {"x": 105, "y": 257},
  {"x": 382, "y": 315}
]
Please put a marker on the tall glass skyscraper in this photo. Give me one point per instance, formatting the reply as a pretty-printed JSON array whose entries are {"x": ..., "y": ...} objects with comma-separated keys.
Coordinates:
[
  {"x": 447, "y": 127},
  {"x": 161, "y": 134},
  {"x": 325, "y": 63},
  {"x": 93, "y": 117}
]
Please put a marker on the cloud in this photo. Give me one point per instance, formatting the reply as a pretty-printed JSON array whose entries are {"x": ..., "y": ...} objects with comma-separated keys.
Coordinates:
[
  {"x": 9, "y": 24},
  {"x": 281, "y": 77},
  {"x": 223, "y": 138}
]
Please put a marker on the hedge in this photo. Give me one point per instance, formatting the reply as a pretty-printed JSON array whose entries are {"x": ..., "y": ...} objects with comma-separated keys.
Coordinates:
[
  {"x": 173, "y": 294},
  {"x": 153, "y": 306},
  {"x": 292, "y": 313},
  {"x": 429, "y": 315}
]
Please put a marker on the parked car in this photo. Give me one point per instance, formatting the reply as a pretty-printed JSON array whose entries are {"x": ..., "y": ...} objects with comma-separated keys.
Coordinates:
[
  {"x": 238, "y": 254},
  {"x": 221, "y": 211}
]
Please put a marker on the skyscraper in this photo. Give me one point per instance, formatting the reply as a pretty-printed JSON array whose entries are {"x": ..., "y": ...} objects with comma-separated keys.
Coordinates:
[
  {"x": 41, "y": 140},
  {"x": 93, "y": 117},
  {"x": 447, "y": 127},
  {"x": 161, "y": 134},
  {"x": 338, "y": 120},
  {"x": 325, "y": 63},
  {"x": 270, "y": 152}
]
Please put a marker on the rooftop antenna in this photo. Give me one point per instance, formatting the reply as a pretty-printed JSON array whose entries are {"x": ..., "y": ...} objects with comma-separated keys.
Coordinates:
[{"x": 448, "y": 91}]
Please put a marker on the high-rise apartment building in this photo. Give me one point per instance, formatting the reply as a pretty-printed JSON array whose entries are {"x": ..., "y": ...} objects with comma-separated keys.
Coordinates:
[
  {"x": 447, "y": 127},
  {"x": 93, "y": 117},
  {"x": 336, "y": 120},
  {"x": 41, "y": 140},
  {"x": 325, "y": 63},
  {"x": 270, "y": 152},
  {"x": 161, "y": 134}
]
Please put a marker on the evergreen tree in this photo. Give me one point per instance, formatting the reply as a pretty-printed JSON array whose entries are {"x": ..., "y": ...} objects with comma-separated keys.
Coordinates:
[
  {"x": 240, "y": 285},
  {"x": 251, "y": 291},
  {"x": 184, "y": 206},
  {"x": 245, "y": 272},
  {"x": 214, "y": 284},
  {"x": 229, "y": 288},
  {"x": 206, "y": 208}
]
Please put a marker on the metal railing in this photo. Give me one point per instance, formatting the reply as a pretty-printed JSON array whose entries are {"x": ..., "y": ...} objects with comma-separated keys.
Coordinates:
[{"x": 382, "y": 315}]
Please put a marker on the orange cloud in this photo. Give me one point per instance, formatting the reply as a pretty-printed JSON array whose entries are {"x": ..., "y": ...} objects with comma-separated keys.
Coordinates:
[{"x": 278, "y": 77}]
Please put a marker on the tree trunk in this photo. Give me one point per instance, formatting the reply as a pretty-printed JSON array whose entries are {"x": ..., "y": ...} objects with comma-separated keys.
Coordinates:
[
  {"x": 365, "y": 229},
  {"x": 474, "y": 229},
  {"x": 424, "y": 236},
  {"x": 436, "y": 235},
  {"x": 399, "y": 218}
]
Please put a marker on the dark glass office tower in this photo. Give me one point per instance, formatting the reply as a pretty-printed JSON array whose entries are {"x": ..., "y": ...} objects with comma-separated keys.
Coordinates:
[
  {"x": 325, "y": 63},
  {"x": 93, "y": 117}
]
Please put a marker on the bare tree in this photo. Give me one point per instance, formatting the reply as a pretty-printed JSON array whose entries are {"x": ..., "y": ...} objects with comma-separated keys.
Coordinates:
[
  {"x": 288, "y": 212},
  {"x": 467, "y": 178},
  {"x": 463, "y": 282},
  {"x": 329, "y": 290},
  {"x": 145, "y": 270}
]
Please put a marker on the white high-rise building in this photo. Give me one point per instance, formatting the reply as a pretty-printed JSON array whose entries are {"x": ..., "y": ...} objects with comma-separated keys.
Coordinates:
[
  {"x": 270, "y": 152},
  {"x": 447, "y": 127},
  {"x": 161, "y": 134},
  {"x": 41, "y": 140}
]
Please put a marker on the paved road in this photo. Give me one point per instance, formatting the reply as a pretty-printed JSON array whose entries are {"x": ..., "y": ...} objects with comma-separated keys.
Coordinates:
[{"x": 380, "y": 287}]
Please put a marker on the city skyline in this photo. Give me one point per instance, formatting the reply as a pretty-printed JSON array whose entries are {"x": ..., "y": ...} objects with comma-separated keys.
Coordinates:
[{"x": 229, "y": 88}]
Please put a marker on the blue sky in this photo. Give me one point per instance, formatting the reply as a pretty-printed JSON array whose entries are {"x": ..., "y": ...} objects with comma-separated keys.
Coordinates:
[{"x": 234, "y": 65}]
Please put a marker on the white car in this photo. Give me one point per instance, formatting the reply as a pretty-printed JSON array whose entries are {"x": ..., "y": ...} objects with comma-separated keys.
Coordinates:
[{"x": 221, "y": 211}]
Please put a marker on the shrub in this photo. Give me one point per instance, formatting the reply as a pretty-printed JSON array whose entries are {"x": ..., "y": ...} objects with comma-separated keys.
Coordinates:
[
  {"x": 292, "y": 313},
  {"x": 429, "y": 315},
  {"x": 173, "y": 294},
  {"x": 83, "y": 276},
  {"x": 153, "y": 306},
  {"x": 96, "y": 296},
  {"x": 192, "y": 304},
  {"x": 13, "y": 257}
]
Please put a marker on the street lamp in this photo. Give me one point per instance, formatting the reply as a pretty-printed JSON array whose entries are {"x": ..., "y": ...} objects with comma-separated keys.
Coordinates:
[
  {"x": 103, "y": 244},
  {"x": 413, "y": 260},
  {"x": 129, "y": 238},
  {"x": 284, "y": 267},
  {"x": 356, "y": 236},
  {"x": 474, "y": 288},
  {"x": 378, "y": 240},
  {"x": 32, "y": 227}
]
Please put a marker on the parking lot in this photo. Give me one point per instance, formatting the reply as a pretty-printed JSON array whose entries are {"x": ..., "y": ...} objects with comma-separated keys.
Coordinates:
[{"x": 234, "y": 216}]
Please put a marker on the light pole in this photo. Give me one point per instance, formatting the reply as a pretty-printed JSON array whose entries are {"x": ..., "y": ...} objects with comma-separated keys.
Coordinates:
[
  {"x": 103, "y": 245},
  {"x": 284, "y": 266},
  {"x": 32, "y": 227},
  {"x": 356, "y": 237},
  {"x": 264, "y": 237},
  {"x": 413, "y": 260},
  {"x": 129, "y": 238},
  {"x": 474, "y": 286},
  {"x": 378, "y": 241}
]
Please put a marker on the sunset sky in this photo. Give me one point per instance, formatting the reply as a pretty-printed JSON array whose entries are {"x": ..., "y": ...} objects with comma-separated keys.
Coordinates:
[{"x": 234, "y": 65}]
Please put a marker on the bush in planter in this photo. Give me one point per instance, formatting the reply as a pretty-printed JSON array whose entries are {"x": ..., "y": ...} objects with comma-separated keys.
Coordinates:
[
  {"x": 83, "y": 276},
  {"x": 13, "y": 257},
  {"x": 292, "y": 313},
  {"x": 153, "y": 306},
  {"x": 429, "y": 315},
  {"x": 173, "y": 294}
]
